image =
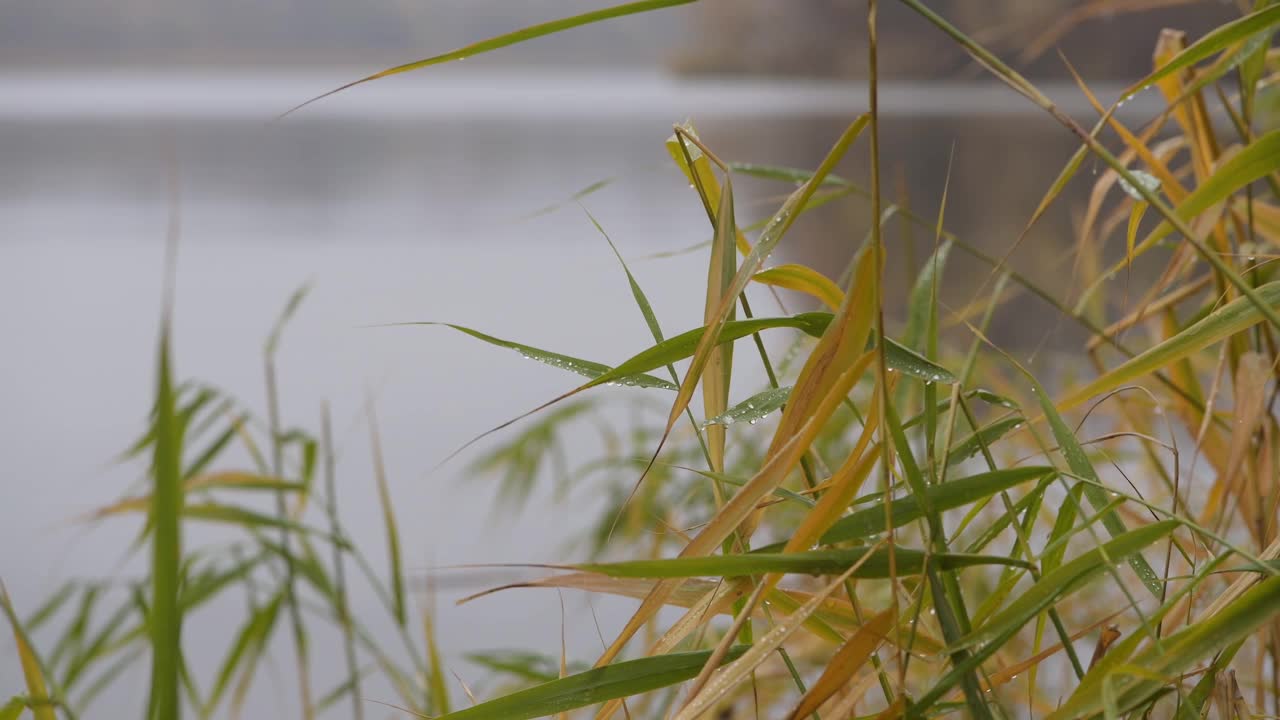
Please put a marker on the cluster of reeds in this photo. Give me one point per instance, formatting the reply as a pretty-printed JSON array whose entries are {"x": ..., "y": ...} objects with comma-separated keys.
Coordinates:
[{"x": 874, "y": 534}]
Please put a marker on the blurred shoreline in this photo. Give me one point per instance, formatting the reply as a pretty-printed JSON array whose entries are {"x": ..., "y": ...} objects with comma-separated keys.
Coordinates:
[{"x": 91, "y": 93}]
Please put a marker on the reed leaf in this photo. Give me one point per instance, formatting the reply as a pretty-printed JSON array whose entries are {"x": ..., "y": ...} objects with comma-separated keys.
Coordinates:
[{"x": 618, "y": 680}]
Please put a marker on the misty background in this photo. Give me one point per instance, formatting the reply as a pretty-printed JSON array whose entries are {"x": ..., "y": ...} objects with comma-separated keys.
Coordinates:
[{"x": 421, "y": 197}]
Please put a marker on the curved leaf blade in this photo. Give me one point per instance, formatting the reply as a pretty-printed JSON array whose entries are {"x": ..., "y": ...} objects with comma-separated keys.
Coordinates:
[
  {"x": 32, "y": 668},
  {"x": 1210, "y": 44},
  {"x": 585, "y": 368},
  {"x": 1237, "y": 315},
  {"x": 753, "y": 408},
  {"x": 805, "y": 279},
  {"x": 501, "y": 41},
  {"x": 946, "y": 496},
  {"x": 875, "y": 564},
  {"x": 593, "y": 686}
]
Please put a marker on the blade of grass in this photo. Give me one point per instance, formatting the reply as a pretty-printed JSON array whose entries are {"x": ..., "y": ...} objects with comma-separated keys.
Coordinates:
[
  {"x": 279, "y": 439},
  {"x": 388, "y": 517},
  {"x": 718, "y": 374},
  {"x": 166, "y": 518},
  {"x": 753, "y": 408},
  {"x": 594, "y": 686},
  {"x": 945, "y": 496},
  {"x": 33, "y": 671},
  {"x": 850, "y": 658},
  {"x": 13, "y": 709},
  {"x": 507, "y": 39},
  {"x": 341, "y": 605},
  {"x": 51, "y": 606},
  {"x": 872, "y": 564},
  {"x": 585, "y": 368},
  {"x": 246, "y": 649},
  {"x": 1219, "y": 39},
  {"x": 438, "y": 688},
  {"x": 984, "y": 437}
]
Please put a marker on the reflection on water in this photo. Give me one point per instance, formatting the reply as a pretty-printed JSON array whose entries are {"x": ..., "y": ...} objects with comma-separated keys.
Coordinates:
[{"x": 421, "y": 215}]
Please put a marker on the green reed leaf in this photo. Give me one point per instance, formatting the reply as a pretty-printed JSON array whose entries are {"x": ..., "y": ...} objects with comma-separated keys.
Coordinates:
[
  {"x": 753, "y": 408},
  {"x": 945, "y": 496},
  {"x": 507, "y": 39},
  {"x": 813, "y": 562},
  {"x": 1219, "y": 39},
  {"x": 585, "y": 368},
  {"x": 166, "y": 517},
  {"x": 593, "y": 686}
]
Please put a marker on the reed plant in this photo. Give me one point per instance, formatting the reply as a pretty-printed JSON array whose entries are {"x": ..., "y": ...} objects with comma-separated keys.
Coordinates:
[{"x": 903, "y": 522}]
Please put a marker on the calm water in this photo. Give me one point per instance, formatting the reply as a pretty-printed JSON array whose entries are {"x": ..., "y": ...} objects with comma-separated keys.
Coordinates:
[{"x": 403, "y": 201}]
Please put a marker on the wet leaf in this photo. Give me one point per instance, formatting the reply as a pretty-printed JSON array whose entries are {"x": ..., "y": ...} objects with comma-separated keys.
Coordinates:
[
  {"x": 875, "y": 564},
  {"x": 753, "y": 408},
  {"x": 585, "y": 368},
  {"x": 802, "y": 278},
  {"x": 594, "y": 686},
  {"x": 1219, "y": 39}
]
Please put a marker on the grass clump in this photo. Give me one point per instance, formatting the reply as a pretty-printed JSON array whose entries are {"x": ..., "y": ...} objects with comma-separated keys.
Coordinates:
[{"x": 873, "y": 533}]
